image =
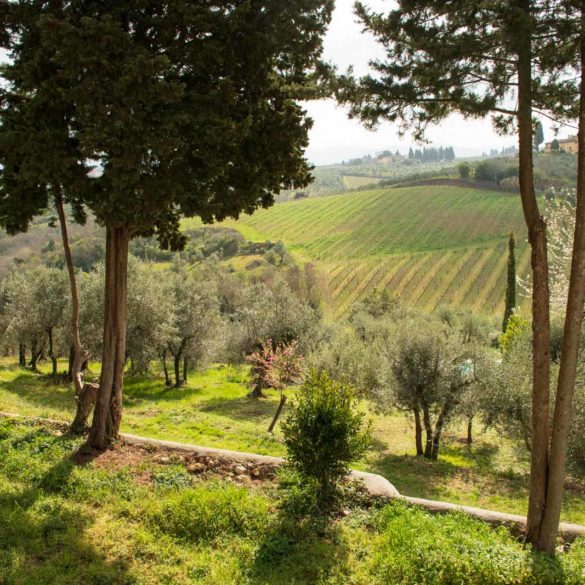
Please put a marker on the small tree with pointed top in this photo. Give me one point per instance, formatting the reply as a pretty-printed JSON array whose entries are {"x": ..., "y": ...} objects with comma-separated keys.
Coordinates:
[{"x": 511, "y": 282}]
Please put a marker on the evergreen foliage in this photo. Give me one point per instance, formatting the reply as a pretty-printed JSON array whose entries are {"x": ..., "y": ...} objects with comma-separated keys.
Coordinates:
[{"x": 511, "y": 282}]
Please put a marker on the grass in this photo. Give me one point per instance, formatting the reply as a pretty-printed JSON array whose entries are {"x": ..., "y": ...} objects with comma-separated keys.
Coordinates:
[
  {"x": 361, "y": 239},
  {"x": 214, "y": 410},
  {"x": 102, "y": 524}
]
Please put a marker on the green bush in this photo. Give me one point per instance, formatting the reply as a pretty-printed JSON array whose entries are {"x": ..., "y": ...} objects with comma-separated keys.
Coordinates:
[
  {"x": 324, "y": 433},
  {"x": 207, "y": 512}
]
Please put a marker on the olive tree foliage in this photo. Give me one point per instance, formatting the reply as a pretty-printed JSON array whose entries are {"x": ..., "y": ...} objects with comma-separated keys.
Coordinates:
[
  {"x": 151, "y": 317},
  {"x": 143, "y": 112},
  {"x": 36, "y": 300},
  {"x": 257, "y": 312},
  {"x": 196, "y": 322}
]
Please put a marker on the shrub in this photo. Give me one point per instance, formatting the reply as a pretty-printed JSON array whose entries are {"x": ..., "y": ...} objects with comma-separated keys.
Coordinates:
[{"x": 324, "y": 433}]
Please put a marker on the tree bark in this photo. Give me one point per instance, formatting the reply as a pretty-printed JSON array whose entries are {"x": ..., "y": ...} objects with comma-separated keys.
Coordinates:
[
  {"x": 418, "y": 432},
  {"x": 185, "y": 369},
  {"x": 34, "y": 355},
  {"x": 428, "y": 431},
  {"x": 281, "y": 404},
  {"x": 51, "y": 350},
  {"x": 108, "y": 410},
  {"x": 84, "y": 397},
  {"x": 570, "y": 347},
  {"x": 540, "y": 294},
  {"x": 165, "y": 368},
  {"x": 177, "y": 365},
  {"x": 470, "y": 430},
  {"x": 22, "y": 355}
]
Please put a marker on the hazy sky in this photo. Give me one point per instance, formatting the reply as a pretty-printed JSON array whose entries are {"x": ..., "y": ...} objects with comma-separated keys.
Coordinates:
[{"x": 334, "y": 137}]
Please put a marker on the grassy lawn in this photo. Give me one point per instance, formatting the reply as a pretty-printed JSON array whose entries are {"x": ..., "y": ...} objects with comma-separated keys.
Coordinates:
[
  {"x": 214, "y": 410},
  {"x": 149, "y": 521}
]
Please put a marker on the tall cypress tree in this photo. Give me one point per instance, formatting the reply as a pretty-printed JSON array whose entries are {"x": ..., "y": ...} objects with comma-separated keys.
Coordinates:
[{"x": 511, "y": 286}]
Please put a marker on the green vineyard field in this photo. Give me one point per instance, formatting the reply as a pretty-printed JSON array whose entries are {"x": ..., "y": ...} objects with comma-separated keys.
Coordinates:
[{"x": 432, "y": 245}]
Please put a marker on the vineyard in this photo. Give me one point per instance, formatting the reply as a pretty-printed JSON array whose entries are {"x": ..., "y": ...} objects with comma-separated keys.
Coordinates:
[{"x": 431, "y": 245}]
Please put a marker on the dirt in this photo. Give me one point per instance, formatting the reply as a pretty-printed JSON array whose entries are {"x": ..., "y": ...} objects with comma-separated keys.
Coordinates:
[{"x": 140, "y": 461}]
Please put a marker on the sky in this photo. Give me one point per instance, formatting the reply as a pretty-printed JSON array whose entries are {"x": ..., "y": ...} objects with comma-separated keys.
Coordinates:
[{"x": 334, "y": 137}]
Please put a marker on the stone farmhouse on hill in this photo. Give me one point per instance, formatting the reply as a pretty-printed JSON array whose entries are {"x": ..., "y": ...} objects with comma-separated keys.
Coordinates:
[{"x": 569, "y": 144}]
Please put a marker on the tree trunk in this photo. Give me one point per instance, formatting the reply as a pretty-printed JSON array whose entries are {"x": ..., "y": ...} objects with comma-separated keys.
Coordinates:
[
  {"x": 78, "y": 356},
  {"x": 177, "y": 364},
  {"x": 51, "y": 350},
  {"x": 166, "y": 369},
  {"x": 22, "y": 355},
  {"x": 428, "y": 431},
  {"x": 108, "y": 409},
  {"x": 448, "y": 406},
  {"x": 70, "y": 364},
  {"x": 570, "y": 348},
  {"x": 418, "y": 432},
  {"x": 540, "y": 293},
  {"x": 185, "y": 369},
  {"x": 34, "y": 355},
  {"x": 470, "y": 430},
  {"x": 278, "y": 411}
]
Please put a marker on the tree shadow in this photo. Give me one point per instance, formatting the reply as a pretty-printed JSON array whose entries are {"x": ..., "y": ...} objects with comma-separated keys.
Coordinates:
[
  {"x": 243, "y": 408},
  {"x": 298, "y": 551},
  {"x": 41, "y": 390},
  {"x": 44, "y": 537}
]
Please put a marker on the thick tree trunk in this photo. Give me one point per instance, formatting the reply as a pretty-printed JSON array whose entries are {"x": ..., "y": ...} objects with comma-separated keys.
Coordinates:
[
  {"x": 540, "y": 293},
  {"x": 418, "y": 432},
  {"x": 570, "y": 348},
  {"x": 108, "y": 409},
  {"x": 281, "y": 404},
  {"x": 428, "y": 432},
  {"x": 52, "y": 351},
  {"x": 85, "y": 397},
  {"x": 165, "y": 368}
]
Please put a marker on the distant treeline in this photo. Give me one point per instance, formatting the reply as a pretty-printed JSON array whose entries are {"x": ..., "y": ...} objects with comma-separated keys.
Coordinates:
[{"x": 432, "y": 154}]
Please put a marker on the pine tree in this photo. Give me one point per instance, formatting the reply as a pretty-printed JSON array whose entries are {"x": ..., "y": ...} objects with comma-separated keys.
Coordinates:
[
  {"x": 435, "y": 54},
  {"x": 511, "y": 283}
]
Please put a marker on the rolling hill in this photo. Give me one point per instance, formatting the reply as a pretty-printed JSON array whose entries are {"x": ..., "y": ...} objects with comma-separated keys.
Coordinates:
[{"x": 432, "y": 245}]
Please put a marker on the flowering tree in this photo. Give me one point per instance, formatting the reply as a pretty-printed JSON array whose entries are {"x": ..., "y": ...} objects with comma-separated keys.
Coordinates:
[{"x": 275, "y": 367}]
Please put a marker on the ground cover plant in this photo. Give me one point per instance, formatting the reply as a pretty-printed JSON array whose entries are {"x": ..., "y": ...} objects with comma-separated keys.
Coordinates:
[
  {"x": 213, "y": 409},
  {"x": 136, "y": 517}
]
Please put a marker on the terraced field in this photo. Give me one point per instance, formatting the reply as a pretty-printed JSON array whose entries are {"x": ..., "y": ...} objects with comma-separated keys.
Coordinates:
[{"x": 432, "y": 245}]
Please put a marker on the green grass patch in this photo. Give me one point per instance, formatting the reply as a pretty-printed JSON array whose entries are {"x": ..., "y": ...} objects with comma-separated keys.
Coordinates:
[
  {"x": 214, "y": 410},
  {"x": 64, "y": 523}
]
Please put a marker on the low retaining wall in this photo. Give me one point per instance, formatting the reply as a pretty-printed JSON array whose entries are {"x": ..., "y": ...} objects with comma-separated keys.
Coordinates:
[{"x": 376, "y": 485}]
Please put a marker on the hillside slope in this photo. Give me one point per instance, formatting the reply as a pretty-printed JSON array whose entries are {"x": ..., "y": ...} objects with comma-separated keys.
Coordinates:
[{"x": 432, "y": 245}]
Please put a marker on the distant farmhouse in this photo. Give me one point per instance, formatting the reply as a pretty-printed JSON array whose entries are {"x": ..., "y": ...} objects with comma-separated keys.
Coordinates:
[{"x": 569, "y": 144}]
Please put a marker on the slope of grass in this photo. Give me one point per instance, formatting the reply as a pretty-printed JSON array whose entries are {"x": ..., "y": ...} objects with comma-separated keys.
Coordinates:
[
  {"x": 109, "y": 521},
  {"x": 359, "y": 240},
  {"x": 214, "y": 410}
]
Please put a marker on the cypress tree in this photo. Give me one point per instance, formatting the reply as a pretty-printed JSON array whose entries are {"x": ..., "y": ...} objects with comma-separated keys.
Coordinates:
[{"x": 511, "y": 286}]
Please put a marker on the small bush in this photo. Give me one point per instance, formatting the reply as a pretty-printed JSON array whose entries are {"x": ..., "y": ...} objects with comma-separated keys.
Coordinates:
[
  {"x": 205, "y": 513},
  {"x": 324, "y": 433}
]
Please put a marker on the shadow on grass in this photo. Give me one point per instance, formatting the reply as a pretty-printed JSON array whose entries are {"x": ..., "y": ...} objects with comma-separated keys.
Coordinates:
[
  {"x": 298, "y": 552},
  {"x": 244, "y": 408},
  {"x": 41, "y": 390},
  {"x": 44, "y": 537}
]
